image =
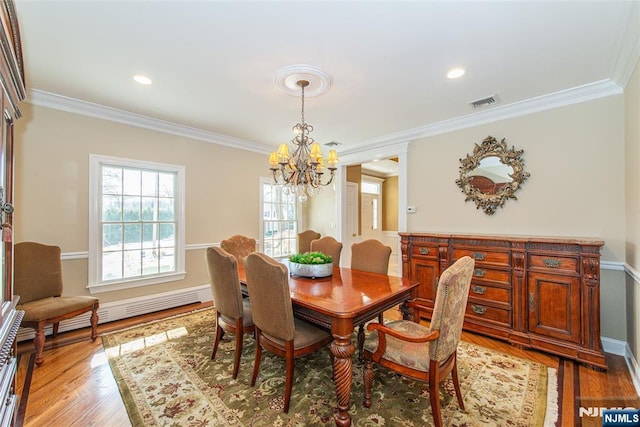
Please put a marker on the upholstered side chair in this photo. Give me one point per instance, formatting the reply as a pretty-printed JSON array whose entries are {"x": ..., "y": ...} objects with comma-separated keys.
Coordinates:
[
  {"x": 372, "y": 256},
  {"x": 38, "y": 282},
  {"x": 304, "y": 240},
  {"x": 277, "y": 330},
  {"x": 424, "y": 353},
  {"x": 328, "y": 246},
  {"x": 233, "y": 311},
  {"x": 239, "y": 246}
]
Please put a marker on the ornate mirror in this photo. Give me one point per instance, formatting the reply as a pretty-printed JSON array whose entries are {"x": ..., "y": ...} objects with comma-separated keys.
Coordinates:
[{"x": 492, "y": 174}]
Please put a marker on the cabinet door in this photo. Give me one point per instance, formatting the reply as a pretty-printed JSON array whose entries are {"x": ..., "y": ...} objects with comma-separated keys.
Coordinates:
[
  {"x": 554, "y": 306},
  {"x": 426, "y": 272}
]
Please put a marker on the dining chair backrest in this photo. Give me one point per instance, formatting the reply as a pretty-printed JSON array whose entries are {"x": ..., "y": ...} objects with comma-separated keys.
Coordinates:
[
  {"x": 305, "y": 238},
  {"x": 449, "y": 307},
  {"x": 370, "y": 255},
  {"x": 225, "y": 284},
  {"x": 328, "y": 246},
  {"x": 239, "y": 246},
  {"x": 268, "y": 286}
]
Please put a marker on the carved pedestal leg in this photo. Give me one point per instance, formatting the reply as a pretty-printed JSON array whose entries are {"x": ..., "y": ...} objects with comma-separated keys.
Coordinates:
[
  {"x": 94, "y": 323},
  {"x": 341, "y": 349}
]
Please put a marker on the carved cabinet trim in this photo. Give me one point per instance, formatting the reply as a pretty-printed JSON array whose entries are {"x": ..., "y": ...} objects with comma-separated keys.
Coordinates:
[{"x": 534, "y": 292}]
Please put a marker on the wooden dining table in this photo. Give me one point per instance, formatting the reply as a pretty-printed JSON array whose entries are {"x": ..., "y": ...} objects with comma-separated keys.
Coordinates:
[{"x": 339, "y": 303}]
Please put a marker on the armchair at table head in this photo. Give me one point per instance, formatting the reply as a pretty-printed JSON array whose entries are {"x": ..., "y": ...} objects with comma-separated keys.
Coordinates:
[
  {"x": 239, "y": 246},
  {"x": 424, "y": 353},
  {"x": 232, "y": 310},
  {"x": 38, "y": 282},
  {"x": 370, "y": 255},
  {"x": 328, "y": 246},
  {"x": 277, "y": 330},
  {"x": 304, "y": 240}
]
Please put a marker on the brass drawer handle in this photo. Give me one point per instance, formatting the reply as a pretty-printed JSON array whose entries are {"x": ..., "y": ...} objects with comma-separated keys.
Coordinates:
[
  {"x": 478, "y": 309},
  {"x": 478, "y": 289},
  {"x": 478, "y": 272},
  {"x": 424, "y": 251},
  {"x": 552, "y": 263},
  {"x": 478, "y": 256}
]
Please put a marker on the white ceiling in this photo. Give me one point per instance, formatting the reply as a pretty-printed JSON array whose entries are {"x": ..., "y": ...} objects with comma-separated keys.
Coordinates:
[{"x": 213, "y": 63}]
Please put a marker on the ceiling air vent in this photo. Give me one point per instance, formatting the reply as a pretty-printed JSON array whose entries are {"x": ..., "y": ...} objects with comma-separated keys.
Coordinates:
[
  {"x": 332, "y": 144},
  {"x": 482, "y": 102}
]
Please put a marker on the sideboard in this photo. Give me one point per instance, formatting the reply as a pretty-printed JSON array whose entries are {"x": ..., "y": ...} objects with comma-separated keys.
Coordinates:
[{"x": 534, "y": 292}]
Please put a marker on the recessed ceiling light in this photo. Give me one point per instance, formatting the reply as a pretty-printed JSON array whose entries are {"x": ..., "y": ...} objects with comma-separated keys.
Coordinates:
[
  {"x": 455, "y": 73},
  {"x": 143, "y": 80}
]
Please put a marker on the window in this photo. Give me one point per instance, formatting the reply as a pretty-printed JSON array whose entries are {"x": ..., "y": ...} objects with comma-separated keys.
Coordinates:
[
  {"x": 136, "y": 224},
  {"x": 279, "y": 226}
]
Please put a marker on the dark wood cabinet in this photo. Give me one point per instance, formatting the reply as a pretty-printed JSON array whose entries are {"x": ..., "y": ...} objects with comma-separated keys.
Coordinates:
[
  {"x": 13, "y": 91},
  {"x": 534, "y": 292}
]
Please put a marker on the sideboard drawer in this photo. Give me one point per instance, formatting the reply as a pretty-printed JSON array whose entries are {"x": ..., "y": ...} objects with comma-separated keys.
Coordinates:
[
  {"x": 555, "y": 263},
  {"x": 486, "y": 312},
  {"x": 430, "y": 251},
  {"x": 490, "y": 275},
  {"x": 490, "y": 293},
  {"x": 483, "y": 256}
]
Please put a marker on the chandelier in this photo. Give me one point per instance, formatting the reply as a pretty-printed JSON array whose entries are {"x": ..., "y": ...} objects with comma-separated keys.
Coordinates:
[{"x": 301, "y": 173}]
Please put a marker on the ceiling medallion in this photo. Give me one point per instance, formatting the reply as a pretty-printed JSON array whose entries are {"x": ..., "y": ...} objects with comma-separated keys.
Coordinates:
[{"x": 287, "y": 79}]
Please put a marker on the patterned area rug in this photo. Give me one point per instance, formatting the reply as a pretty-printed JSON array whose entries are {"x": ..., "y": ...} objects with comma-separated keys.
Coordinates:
[{"x": 166, "y": 377}]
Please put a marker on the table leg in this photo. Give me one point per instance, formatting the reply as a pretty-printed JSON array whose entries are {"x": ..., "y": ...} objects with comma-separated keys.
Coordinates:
[{"x": 341, "y": 349}]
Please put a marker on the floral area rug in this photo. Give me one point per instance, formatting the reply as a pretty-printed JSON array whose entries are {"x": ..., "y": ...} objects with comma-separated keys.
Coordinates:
[{"x": 166, "y": 378}]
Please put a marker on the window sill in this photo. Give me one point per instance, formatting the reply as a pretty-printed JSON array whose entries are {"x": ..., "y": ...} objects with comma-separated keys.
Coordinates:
[{"x": 135, "y": 283}]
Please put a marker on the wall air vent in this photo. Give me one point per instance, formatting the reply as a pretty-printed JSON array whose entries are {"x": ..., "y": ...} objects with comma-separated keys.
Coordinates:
[{"x": 483, "y": 102}]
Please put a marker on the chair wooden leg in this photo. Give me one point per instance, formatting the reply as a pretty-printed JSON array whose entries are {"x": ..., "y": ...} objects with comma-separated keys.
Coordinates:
[
  {"x": 434, "y": 397},
  {"x": 381, "y": 318},
  {"x": 256, "y": 362},
  {"x": 456, "y": 383},
  {"x": 367, "y": 376},
  {"x": 219, "y": 335},
  {"x": 289, "y": 368},
  {"x": 361, "y": 343},
  {"x": 55, "y": 329},
  {"x": 38, "y": 343},
  {"x": 239, "y": 336},
  {"x": 94, "y": 322}
]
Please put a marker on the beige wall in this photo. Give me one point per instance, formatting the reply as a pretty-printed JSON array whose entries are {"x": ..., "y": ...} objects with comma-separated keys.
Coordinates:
[
  {"x": 575, "y": 155},
  {"x": 390, "y": 204},
  {"x": 632, "y": 181},
  {"x": 51, "y": 183}
]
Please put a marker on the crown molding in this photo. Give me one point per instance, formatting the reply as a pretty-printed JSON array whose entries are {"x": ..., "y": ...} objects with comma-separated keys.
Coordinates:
[
  {"x": 76, "y": 106},
  {"x": 576, "y": 95},
  {"x": 629, "y": 51}
]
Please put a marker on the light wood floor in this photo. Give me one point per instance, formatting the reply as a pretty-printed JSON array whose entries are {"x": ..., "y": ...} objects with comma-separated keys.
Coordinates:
[{"x": 74, "y": 386}]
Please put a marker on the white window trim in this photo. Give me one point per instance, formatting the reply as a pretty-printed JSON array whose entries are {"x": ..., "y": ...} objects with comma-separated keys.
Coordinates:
[{"x": 95, "y": 284}]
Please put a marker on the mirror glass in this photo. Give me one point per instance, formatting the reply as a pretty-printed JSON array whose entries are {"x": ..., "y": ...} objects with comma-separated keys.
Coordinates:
[{"x": 492, "y": 174}]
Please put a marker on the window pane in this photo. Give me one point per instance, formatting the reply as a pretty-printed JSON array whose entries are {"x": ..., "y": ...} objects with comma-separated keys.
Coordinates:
[
  {"x": 167, "y": 235},
  {"x": 131, "y": 182},
  {"x": 167, "y": 259},
  {"x": 149, "y": 183},
  {"x": 112, "y": 237},
  {"x": 111, "y": 265},
  {"x": 165, "y": 209},
  {"x": 149, "y": 209},
  {"x": 111, "y": 208},
  {"x": 131, "y": 208},
  {"x": 111, "y": 180},
  {"x": 132, "y": 264},
  {"x": 132, "y": 237},
  {"x": 166, "y": 184},
  {"x": 149, "y": 235}
]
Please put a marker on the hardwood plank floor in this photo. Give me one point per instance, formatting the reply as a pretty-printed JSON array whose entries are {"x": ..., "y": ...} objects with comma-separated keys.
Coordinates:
[{"x": 75, "y": 387}]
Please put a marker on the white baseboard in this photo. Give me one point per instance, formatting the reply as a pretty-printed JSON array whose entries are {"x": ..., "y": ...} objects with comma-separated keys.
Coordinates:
[
  {"x": 116, "y": 310},
  {"x": 621, "y": 348}
]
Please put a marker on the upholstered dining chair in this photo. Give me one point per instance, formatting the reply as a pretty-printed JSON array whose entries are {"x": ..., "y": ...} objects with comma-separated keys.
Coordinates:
[
  {"x": 233, "y": 311},
  {"x": 239, "y": 246},
  {"x": 38, "y": 282},
  {"x": 304, "y": 240},
  {"x": 424, "y": 353},
  {"x": 328, "y": 246},
  {"x": 372, "y": 256},
  {"x": 277, "y": 330}
]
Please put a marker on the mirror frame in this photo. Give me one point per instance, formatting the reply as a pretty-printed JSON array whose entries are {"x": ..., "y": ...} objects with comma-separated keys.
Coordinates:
[{"x": 510, "y": 157}]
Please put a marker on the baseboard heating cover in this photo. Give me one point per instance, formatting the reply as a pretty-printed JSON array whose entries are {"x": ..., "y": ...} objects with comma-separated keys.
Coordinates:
[{"x": 116, "y": 310}]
